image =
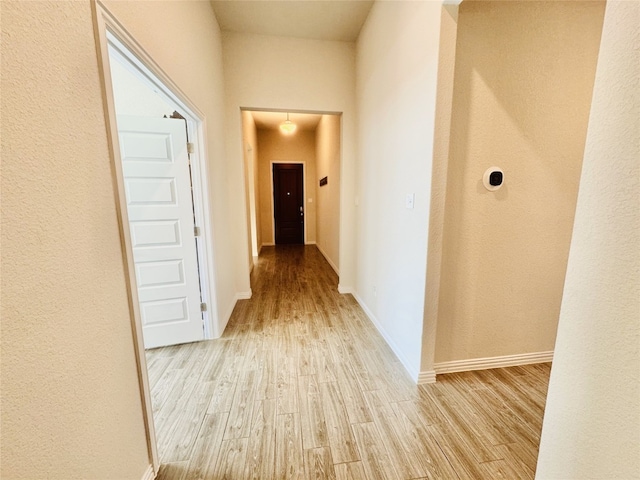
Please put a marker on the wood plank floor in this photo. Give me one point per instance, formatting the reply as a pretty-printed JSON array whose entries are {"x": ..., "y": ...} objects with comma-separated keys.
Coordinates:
[{"x": 302, "y": 386}]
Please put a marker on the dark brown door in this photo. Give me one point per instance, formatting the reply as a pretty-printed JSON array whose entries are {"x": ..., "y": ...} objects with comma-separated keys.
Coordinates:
[{"x": 288, "y": 203}]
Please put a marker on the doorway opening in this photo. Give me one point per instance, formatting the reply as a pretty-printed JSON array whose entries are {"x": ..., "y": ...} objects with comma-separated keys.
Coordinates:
[
  {"x": 160, "y": 175},
  {"x": 292, "y": 181}
]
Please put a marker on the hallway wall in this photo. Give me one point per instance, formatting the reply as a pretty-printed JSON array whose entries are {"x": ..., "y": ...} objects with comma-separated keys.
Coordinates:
[
  {"x": 397, "y": 63},
  {"x": 523, "y": 82},
  {"x": 252, "y": 184},
  {"x": 294, "y": 74},
  {"x": 590, "y": 427},
  {"x": 328, "y": 205},
  {"x": 441, "y": 147},
  {"x": 300, "y": 147}
]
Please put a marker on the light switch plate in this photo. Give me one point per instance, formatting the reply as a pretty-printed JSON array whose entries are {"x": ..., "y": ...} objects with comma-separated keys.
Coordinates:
[{"x": 409, "y": 200}]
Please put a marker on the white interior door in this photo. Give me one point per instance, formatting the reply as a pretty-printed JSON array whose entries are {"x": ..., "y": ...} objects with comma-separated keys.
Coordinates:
[{"x": 159, "y": 203}]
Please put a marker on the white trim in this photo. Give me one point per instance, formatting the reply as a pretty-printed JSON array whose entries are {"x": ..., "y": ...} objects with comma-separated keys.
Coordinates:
[
  {"x": 414, "y": 374},
  {"x": 333, "y": 265},
  {"x": 102, "y": 21},
  {"x": 199, "y": 169},
  {"x": 425, "y": 377},
  {"x": 344, "y": 290},
  {"x": 149, "y": 474},
  {"x": 244, "y": 295},
  {"x": 493, "y": 362}
]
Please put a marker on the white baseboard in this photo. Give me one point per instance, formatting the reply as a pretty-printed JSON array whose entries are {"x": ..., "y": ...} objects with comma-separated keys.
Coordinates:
[
  {"x": 227, "y": 316},
  {"x": 344, "y": 290},
  {"x": 149, "y": 474},
  {"x": 428, "y": 376},
  {"x": 243, "y": 295},
  {"x": 265, "y": 245},
  {"x": 329, "y": 261},
  {"x": 492, "y": 362},
  {"x": 414, "y": 374},
  {"x": 310, "y": 243}
]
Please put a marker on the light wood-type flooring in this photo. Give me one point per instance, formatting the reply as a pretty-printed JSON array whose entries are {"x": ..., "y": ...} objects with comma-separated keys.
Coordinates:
[{"x": 301, "y": 385}]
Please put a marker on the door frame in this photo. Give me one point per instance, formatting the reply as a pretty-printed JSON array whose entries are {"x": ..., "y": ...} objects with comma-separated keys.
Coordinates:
[
  {"x": 109, "y": 31},
  {"x": 126, "y": 57},
  {"x": 304, "y": 195}
]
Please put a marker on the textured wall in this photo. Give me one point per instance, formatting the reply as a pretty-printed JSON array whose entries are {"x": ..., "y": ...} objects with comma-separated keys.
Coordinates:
[
  {"x": 70, "y": 397},
  {"x": 397, "y": 61},
  {"x": 294, "y": 74},
  {"x": 301, "y": 147},
  {"x": 328, "y": 206},
  {"x": 591, "y": 421},
  {"x": 523, "y": 82}
]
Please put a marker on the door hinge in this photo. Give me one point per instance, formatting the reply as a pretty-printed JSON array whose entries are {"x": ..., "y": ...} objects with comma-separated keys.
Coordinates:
[
  {"x": 190, "y": 147},
  {"x": 196, "y": 231},
  {"x": 203, "y": 307}
]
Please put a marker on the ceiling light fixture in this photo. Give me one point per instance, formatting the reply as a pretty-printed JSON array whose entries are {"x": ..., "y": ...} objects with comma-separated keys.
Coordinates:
[{"x": 288, "y": 127}]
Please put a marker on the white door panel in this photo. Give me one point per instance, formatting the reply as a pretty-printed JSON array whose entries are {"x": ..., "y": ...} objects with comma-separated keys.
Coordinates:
[{"x": 159, "y": 203}]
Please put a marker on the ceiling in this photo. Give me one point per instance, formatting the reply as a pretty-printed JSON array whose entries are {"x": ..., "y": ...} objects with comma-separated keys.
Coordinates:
[
  {"x": 339, "y": 20},
  {"x": 271, "y": 120}
]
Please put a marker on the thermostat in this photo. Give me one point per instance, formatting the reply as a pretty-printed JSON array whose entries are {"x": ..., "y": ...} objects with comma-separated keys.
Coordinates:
[{"x": 493, "y": 178}]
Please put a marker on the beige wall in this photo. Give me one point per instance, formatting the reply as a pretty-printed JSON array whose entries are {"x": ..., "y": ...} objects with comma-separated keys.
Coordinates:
[
  {"x": 590, "y": 427},
  {"x": 252, "y": 187},
  {"x": 294, "y": 74},
  {"x": 70, "y": 397},
  {"x": 193, "y": 61},
  {"x": 275, "y": 147},
  {"x": 441, "y": 146},
  {"x": 328, "y": 204},
  {"x": 397, "y": 63},
  {"x": 523, "y": 82}
]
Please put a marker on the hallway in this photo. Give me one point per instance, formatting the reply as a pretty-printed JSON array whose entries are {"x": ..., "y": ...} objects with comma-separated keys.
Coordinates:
[{"x": 301, "y": 385}]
